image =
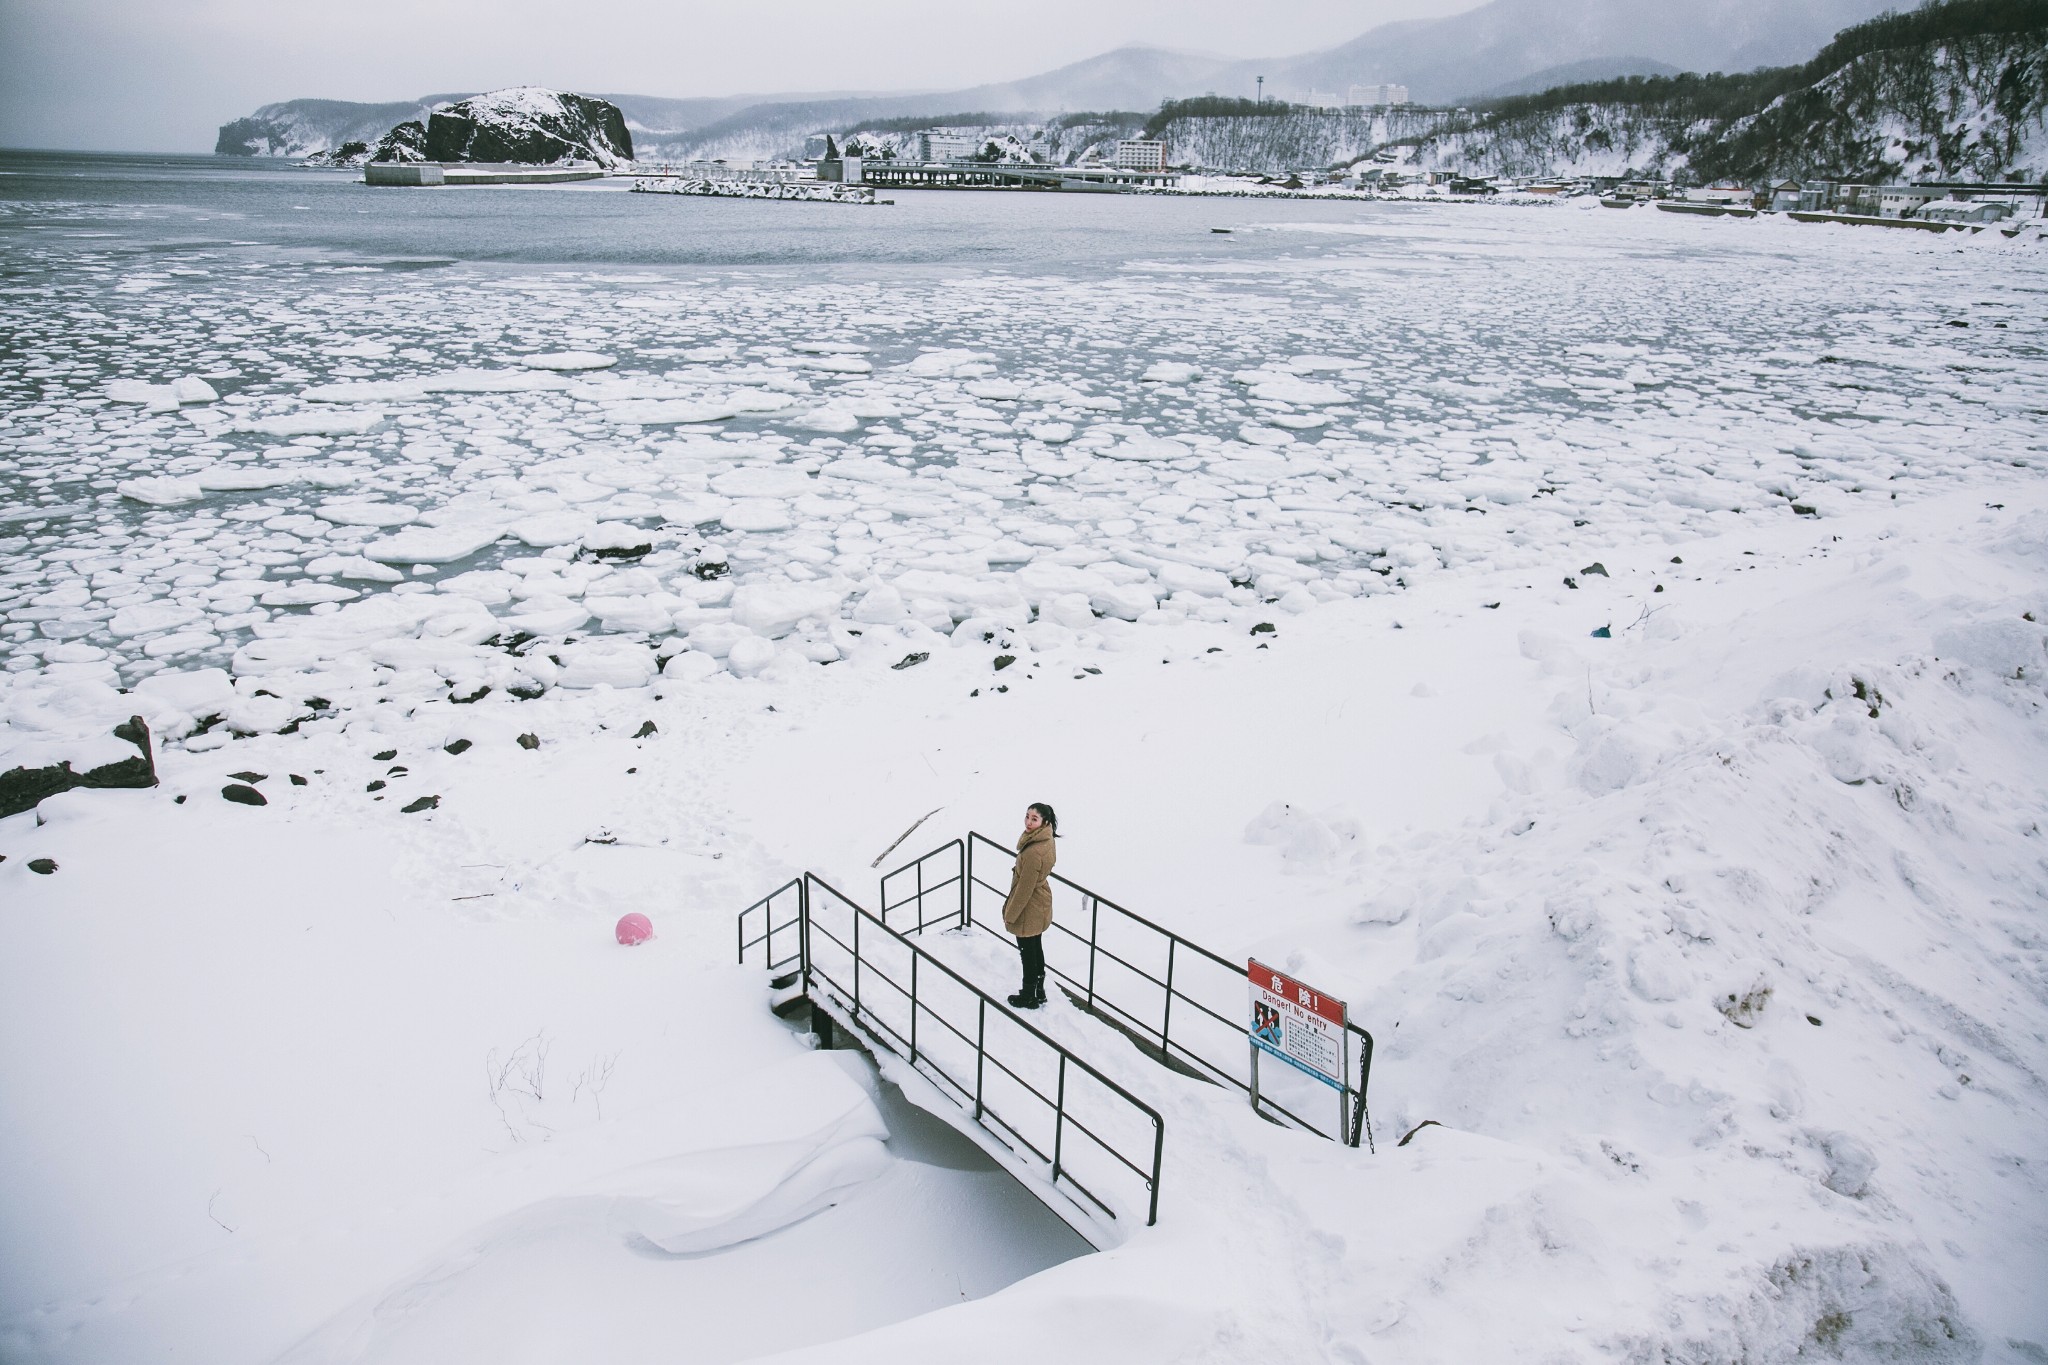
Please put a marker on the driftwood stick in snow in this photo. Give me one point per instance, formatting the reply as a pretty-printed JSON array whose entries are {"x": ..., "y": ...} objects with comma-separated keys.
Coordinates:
[{"x": 905, "y": 835}]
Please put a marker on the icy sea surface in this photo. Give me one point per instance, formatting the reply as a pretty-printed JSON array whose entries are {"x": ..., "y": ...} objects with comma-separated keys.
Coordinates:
[{"x": 357, "y": 445}]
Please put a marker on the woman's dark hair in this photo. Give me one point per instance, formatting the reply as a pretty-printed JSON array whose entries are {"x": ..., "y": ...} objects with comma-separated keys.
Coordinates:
[{"x": 1045, "y": 813}]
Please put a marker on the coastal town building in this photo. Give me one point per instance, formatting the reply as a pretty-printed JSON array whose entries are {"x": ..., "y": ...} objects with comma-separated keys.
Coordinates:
[
  {"x": 1140, "y": 154},
  {"x": 935, "y": 146}
]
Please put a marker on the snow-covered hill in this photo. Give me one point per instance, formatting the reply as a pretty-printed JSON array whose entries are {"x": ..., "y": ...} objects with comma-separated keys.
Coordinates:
[{"x": 1967, "y": 108}]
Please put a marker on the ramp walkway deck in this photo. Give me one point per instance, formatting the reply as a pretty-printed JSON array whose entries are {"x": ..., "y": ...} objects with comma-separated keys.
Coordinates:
[{"x": 920, "y": 982}]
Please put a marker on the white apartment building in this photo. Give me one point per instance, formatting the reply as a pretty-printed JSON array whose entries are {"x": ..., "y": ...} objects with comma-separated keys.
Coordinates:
[
  {"x": 940, "y": 147},
  {"x": 1140, "y": 154},
  {"x": 1373, "y": 96}
]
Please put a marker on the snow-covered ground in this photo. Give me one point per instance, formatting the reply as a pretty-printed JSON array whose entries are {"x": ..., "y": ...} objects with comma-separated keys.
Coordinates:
[{"x": 1713, "y": 941}]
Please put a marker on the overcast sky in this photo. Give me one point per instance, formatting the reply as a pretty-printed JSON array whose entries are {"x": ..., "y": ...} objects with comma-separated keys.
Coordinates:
[{"x": 162, "y": 75}]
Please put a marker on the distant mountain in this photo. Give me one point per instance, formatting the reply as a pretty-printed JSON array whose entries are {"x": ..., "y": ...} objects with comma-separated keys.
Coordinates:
[
  {"x": 1502, "y": 48},
  {"x": 1129, "y": 78},
  {"x": 1505, "y": 43},
  {"x": 1575, "y": 73}
]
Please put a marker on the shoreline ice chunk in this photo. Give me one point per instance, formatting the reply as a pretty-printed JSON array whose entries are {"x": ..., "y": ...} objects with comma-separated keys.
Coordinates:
[
  {"x": 757, "y": 514},
  {"x": 569, "y": 360},
  {"x": 147, "y": 618},
  {"x": 761, "y": 481},
  {"x": 353, "y": 567},
  {"x": 307, "y": 594},
  {"x": 161, "y": 491},
  {"x": 367, "y": 513},
  {"x": 549, "y": 529},
  {"x": 310, "y": 424},
  {"x": 773, "y": 610},
  {"x": 432, "y": 544},
  {"x": 606, "y": 663},
  {"x": 1148, "y": 448}
]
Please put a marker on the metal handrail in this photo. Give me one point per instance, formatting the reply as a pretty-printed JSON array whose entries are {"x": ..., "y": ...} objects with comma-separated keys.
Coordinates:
[
  {"x": 1355, "y": 1120},
  {"x": 868, "y": 974},
  {"x": 915, "y": 868}
]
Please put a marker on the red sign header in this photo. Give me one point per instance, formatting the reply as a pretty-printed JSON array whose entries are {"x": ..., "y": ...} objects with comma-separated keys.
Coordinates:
[{"x": 1292, "y": 991}]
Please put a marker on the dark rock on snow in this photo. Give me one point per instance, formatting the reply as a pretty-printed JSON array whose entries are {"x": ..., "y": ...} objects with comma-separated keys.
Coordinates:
[
  {"x": 23, "y": 788},
  {"x": 423, "y": 803},
  {"x": 42, "y": 866},
  {"x": 529, "y": 741},
  {"x": 460, "y": 746},
  {"x": 247, "y": 796}
]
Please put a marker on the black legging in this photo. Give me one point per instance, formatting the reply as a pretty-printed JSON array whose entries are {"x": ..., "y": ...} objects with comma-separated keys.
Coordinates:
[{"x": 1032, "y": 950}]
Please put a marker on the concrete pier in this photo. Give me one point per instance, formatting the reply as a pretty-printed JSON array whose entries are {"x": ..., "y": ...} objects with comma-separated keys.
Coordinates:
[{"x": 473, "y": 173}]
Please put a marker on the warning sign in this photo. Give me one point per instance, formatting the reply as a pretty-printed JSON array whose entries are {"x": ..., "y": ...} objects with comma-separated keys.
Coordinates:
[{"x": 1298, "y": 1024}]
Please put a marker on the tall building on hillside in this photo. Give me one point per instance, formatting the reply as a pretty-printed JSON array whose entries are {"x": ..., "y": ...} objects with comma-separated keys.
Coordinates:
[
  {"x": 935, "y": 146},
  {"x": 1377, "y": 96},
  {"x": 1140, "y": 154}
]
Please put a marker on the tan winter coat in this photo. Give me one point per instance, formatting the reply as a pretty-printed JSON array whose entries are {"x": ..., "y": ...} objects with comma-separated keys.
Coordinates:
[{"x": 1028, "y": 911}]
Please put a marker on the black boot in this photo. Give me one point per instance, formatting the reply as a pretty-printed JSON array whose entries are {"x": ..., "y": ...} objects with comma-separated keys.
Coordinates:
[
  {"x": 1026, "y": 998},
  {"x": 1035, "y": 988}
]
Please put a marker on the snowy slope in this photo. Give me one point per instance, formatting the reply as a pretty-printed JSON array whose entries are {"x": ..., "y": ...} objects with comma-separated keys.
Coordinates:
[{"x": 327, "y": 1080}]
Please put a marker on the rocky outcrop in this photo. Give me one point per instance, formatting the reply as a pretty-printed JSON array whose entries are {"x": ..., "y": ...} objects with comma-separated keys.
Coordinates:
[
  {"x": 531, "y": 125},
  {"x": 405, "y": 143},
  {"x": 21, "y": 788}
]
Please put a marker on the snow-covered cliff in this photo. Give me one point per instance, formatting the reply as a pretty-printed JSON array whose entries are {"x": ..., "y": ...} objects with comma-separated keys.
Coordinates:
[
  {"x": 1296, "y": 139},
  {"x": 299, "y": 128},
  {"x": 522, "y": 123}
]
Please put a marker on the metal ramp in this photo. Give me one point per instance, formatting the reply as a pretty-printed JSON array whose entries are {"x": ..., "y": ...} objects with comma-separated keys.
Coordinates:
[
  {"x": 1178, "y": 1001},
  {"x": 1088, "y": 1146}
]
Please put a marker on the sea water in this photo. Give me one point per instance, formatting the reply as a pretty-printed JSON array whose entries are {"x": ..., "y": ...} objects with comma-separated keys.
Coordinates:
[{"x": 359, "y": 444}]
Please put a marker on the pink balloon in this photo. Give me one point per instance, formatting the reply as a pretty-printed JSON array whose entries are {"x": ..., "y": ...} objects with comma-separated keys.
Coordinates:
[{"x": 634, "y": 929}]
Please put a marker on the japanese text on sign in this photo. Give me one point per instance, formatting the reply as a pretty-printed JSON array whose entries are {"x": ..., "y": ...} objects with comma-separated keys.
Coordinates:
[{"x": 1298, "y": 1024}]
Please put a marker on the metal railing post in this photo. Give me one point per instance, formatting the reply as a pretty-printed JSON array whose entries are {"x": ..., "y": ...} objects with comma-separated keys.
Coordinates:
[
  {"x": 913, "y": 1007},
  {"x": 1158, "y": 1158},
  {"x": 803, "y": 928},
  {"x": 967, "y": 887},
  {"x": 856, "y": 964},
  {"x": 1344, "y": 1076},
  {"x": 1166, "y": 1019},
  {"x": 1094, "y": 929},
  {"x": 1059, "y": 1119},
  {"x": 920, "y": 895},
  {"x": 980, "y": 1052}
]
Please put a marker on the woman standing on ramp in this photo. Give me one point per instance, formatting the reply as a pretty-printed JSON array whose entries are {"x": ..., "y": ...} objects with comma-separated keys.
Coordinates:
[{"x": 1028, "y": 911}]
